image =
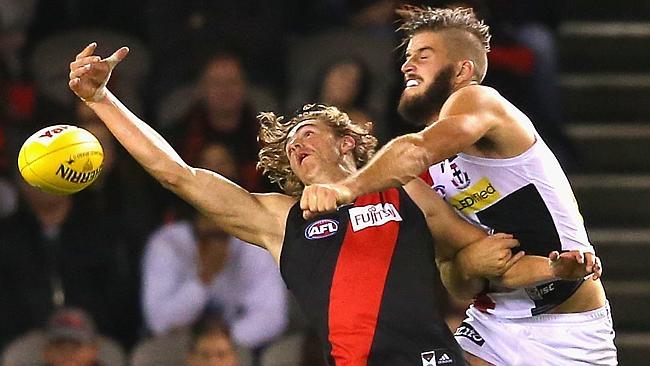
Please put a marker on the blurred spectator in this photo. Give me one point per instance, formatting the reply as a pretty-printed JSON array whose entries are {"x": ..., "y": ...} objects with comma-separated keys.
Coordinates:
[
  {"x": 8, "y": 192},
  {"x": 327, "y": 14},
  {"x": 223, "y": 113},
  {"x": 181, "y": 32},
  {"x": 15, "y": 18},
  {"x": 211, "y": 344},
  {"x": 71, "y": 340},
  {"x": 190, "y": 267},
  {"x": 54, "y": 253},
  {"x": 345, "y": 84},
  {"x": 52, "y": 17}
]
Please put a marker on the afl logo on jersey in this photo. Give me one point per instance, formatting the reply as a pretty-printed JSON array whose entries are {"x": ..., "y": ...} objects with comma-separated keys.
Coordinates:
[{"x": 321, "y": 229}]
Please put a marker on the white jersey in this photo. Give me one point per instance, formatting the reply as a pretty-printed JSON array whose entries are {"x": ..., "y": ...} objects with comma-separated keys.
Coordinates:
[{"x": 528, "y": 196}]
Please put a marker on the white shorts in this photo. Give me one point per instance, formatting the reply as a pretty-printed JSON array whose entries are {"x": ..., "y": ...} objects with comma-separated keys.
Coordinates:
[{"x": 542, "y": 340}]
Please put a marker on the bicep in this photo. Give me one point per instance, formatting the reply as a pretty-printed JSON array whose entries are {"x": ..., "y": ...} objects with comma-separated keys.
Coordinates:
[
  {"x": 450, "y": 232},
  {"x": 467, "y": 117},
  {"x": 453, "y": 134}
]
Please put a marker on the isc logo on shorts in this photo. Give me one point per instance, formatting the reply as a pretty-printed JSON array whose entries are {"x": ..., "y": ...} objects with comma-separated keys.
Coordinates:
[
  {"x": 467, "y": 331},
  {"x": 321, "y": 229}
]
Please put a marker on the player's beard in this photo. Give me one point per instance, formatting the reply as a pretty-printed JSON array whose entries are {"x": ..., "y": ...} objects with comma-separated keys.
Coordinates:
[{"x": 420, "y": 109}]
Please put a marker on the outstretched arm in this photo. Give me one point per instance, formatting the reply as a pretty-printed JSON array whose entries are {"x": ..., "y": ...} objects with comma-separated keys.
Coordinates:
[
  {"x": 534, "y": 270},
  {"x": 467, "y": 117},
  {"x": 255, "y": 218}
]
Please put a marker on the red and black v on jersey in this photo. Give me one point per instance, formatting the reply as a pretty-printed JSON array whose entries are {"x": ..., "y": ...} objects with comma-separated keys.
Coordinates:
[{"x": 365, "y": 278}]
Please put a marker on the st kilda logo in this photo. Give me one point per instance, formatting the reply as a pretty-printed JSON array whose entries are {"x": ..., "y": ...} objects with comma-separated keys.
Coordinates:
[{"x": 321, "y": 229}]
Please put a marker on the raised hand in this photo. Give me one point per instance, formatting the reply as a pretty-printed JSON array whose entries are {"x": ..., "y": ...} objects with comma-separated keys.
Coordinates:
[
  {"x": 320, "y": 198},
  {"x": 489, "y": 257},
  {"x": 574, "y": 264},
  {"x": 89, "y": 73}
]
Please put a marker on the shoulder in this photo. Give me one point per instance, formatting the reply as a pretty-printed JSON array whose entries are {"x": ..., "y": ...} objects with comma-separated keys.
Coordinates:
[{"x": 472, "y": 98}]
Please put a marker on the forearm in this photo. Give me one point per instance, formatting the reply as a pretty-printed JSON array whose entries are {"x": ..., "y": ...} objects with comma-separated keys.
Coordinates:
[
  {"x": 530, "y": 270},
  {"x": 401, "y": 160},
  {"x": 147, "y": 147},
  {"x": 457, "y": 282}
]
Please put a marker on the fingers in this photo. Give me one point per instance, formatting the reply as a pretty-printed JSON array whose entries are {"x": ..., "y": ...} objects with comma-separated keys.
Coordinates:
[
  {"x": 598, "y": 269},
  {"x": 573, "y": 255},
  {"x": 589, "y": 262},
  {"x": 117, "y": 56},
  {"x": 80, "y": 62},
  {"x": 502, "y": 236},
  {"x": 554, "y": 256},
  {"x": 308, "y": 215},
  {"x": 79, "y": 71},
  {"x": 306, "y": 198},
  {"x": 505, "y": 240},
  {"x": 316, "y": 198},
  {"x": 87, "y": 51},
  {"x": 514, "y": 259}
]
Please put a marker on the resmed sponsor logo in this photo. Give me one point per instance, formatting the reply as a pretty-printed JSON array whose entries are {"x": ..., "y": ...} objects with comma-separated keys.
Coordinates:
[
  {"x": 467, "y": 331},
  {"x": 476, "y": 197},
  {"x": 321, "y": 229},
  {"x": 373, "y": 215}
]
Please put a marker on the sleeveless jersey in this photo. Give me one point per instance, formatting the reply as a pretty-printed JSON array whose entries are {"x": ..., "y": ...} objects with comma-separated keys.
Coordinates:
[
  {"x": 528, "y": 196},
  {"x": 365, "y": 278}
]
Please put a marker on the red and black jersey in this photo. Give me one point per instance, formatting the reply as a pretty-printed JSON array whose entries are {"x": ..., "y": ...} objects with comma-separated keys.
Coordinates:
[{"x": 365, "y": 277}]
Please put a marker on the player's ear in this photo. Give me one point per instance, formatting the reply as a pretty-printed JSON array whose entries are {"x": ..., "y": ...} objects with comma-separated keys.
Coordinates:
[
  {"x": 466, "y": 71},
  {"x": 347, "y": 143}
]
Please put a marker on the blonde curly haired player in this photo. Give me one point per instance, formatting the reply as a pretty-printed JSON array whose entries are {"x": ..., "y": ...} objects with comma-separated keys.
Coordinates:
[{"x": 274, "y": 132}]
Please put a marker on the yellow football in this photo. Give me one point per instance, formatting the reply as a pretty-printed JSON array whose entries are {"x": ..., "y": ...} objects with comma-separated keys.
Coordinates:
[{"x": 61, "y": 159}]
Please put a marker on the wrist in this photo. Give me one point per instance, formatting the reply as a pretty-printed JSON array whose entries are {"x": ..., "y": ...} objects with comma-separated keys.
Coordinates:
[
  {"x": 99, "y": 96},
  {"x": 464, "y": 266},
  {"x": 352, "y": 188}
]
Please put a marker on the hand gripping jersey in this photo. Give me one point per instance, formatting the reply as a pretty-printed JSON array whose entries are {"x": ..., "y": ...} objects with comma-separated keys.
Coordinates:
[
  {"x": 528, "y": 196},
  {"x": 365, "y": 277}
]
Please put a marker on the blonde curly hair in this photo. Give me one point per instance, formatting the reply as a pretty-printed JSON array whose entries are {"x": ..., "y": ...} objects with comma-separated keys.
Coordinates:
[{"x": 273, "y": 160}]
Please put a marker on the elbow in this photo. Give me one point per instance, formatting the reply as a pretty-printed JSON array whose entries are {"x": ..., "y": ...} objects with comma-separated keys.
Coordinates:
[{"x": 174, "y": 177}]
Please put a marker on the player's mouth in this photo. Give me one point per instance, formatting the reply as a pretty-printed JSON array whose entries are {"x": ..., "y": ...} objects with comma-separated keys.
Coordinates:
[
  {"x": 412, "y": 82},
  {"x": 302, "y": 156}
]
